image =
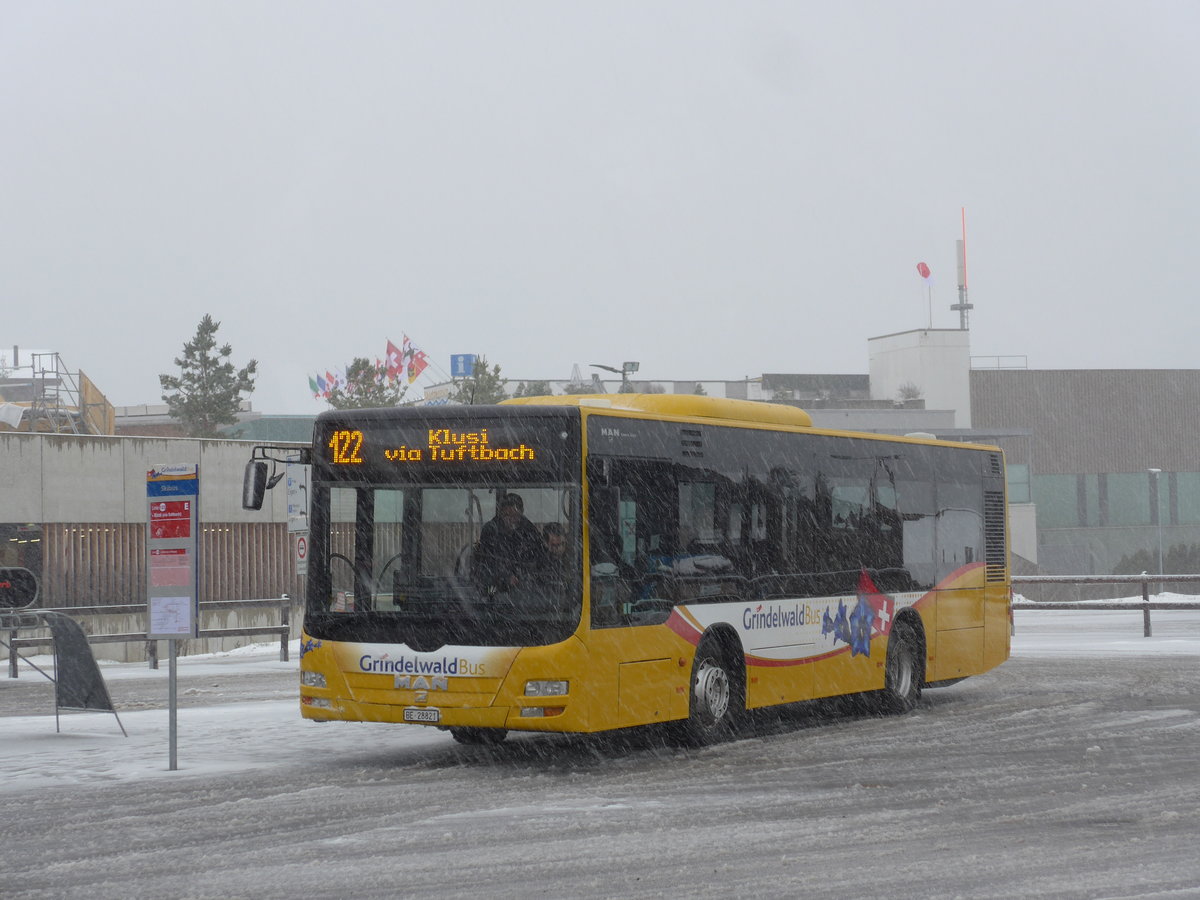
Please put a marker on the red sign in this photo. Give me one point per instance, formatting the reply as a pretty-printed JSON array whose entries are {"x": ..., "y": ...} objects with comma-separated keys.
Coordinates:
[{"x": 170, "y": 519}]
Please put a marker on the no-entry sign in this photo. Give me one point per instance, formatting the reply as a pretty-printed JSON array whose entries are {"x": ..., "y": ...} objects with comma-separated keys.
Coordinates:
[{"x": 301, "y": 553}]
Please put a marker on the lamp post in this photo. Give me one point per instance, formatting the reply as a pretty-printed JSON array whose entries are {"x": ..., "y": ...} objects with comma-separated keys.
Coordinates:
[
  {"x": 1158, "y": 517},
  {"x": 624, "y": 372}
]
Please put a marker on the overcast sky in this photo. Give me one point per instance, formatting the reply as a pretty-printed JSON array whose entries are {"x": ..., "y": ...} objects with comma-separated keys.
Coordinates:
[{"x": 714, "y": 189}]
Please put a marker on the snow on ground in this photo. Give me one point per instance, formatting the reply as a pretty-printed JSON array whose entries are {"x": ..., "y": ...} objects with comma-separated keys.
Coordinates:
[
  {"x": 222, "y": 737},
  {"x": 1091, "y": 631}
]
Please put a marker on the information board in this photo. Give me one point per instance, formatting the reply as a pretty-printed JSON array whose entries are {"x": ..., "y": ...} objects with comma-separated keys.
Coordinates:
[{"x": 172, "y": 532}]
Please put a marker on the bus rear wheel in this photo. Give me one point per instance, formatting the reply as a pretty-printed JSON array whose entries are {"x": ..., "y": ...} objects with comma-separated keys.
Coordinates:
[
  {"x": 904, "y": 670},
  {"x": 475, "y": 737},
  {"x": 715, "y": 700}
]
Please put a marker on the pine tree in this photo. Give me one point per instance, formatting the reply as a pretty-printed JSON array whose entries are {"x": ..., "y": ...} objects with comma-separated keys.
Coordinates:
[
  {"x": 482, "y": 387},
  {"x": 367, "y": 385},
  {"x": 533, "y": 389},
  {"x": 207, "y": 392}
]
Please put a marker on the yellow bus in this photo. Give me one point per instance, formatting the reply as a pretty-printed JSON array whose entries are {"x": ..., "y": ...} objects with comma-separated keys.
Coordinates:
[{"x": 711, "y": 556}]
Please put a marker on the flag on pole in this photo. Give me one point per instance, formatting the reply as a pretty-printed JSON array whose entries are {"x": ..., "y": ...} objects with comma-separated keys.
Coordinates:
[
  {"x": 417, "y": 366},
  {"x": 414, "y": 360},
  {"x": 927, "y": 277},
  {"x": 394, "y": 361},
  {"x": 312, "y": 385}
]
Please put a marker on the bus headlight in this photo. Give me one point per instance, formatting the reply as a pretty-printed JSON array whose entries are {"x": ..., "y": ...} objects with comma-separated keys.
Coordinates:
[
  {"x": 546, "y": 688},
  {"x": 312, "y": 679}
]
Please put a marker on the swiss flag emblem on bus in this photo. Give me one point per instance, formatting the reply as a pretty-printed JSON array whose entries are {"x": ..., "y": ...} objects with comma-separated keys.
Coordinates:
[{"x": 884, "y": 606}]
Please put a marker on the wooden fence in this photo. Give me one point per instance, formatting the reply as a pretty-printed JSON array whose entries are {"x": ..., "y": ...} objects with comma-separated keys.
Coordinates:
[{"x": 104, "y": 563}]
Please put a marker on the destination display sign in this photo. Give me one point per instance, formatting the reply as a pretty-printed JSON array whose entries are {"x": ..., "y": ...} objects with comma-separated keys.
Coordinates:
[
  {"x": 439, "y": 445},
  {"x": 430, "y": 445}
]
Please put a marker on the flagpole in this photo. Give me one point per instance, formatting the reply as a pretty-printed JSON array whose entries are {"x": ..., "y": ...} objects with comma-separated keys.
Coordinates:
[{"x": 923, "y": 271}]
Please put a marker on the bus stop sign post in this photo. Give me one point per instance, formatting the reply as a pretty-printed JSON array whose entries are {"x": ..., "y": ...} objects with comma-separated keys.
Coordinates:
[{"x": 172, "y": 526}]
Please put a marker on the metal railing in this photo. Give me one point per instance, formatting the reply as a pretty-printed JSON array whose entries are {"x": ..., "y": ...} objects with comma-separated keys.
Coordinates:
[
  {"x": 1145, "y": 605},
  {"x": 282, "y": 630}
]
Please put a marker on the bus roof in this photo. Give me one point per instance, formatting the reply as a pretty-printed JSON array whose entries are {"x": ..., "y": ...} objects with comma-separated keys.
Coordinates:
[{"x": 696, "y": 405}]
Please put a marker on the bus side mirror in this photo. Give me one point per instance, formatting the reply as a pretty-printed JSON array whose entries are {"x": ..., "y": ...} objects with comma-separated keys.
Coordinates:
[
  {"x": 254, "y": 484},
  {"x": 18, "y": 588}
]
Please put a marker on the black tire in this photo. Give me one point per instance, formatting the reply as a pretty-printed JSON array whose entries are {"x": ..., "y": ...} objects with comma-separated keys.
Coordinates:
[
  {"x": 716, "y": 699},
  {"x": 474, "y": 737},
  {"x": 904, "y": 671}
]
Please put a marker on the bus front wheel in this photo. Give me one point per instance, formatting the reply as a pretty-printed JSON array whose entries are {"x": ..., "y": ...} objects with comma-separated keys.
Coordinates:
[
  {"x": 715, "y": 699},
  {"x": 904, "y": 670}
]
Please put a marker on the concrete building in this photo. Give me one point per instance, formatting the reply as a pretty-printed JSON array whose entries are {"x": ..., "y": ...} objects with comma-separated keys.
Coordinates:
[
  {"x": 934, "y": 362},
  {"x": 154, "y": 420},
  {"x": 1083, "y": 444},
  {"x": 73, "y": 509},
  {"x": 1082, "y": 449}
]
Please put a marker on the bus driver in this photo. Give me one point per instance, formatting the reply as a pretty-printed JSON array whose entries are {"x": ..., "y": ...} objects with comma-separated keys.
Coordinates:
[{"x": 509, "y": 546}]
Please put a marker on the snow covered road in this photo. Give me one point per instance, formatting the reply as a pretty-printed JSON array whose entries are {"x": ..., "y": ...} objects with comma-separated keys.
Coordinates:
[{"x": 1071, "y": 771}]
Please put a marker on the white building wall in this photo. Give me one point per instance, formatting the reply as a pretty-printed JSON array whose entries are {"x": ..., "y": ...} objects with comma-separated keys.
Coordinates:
[
  {"x": 20, "y": 478},
  {"x": 1022, "y": 530},
  {"x": 82, "y": 479},
  {"x": 938, "y": 361},
  {"x": 70, "y": 478}
]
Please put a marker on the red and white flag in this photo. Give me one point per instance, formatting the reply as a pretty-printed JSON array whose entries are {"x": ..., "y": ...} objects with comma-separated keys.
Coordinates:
[{"x": 393, "y": 363}]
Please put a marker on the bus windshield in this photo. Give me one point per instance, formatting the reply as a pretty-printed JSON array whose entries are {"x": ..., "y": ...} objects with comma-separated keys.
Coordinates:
[{"x": 435, "y": 564}]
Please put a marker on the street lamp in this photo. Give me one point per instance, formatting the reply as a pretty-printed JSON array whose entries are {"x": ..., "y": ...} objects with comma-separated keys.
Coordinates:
[
  {"x": 624, "y": 372},
  {"x": 1158, "y": 517}
]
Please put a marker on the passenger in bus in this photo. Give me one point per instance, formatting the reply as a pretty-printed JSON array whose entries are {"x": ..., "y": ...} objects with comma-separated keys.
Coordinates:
[
  {"x": 556, "y": 549},
  {"x": 509, "y": 546}
]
